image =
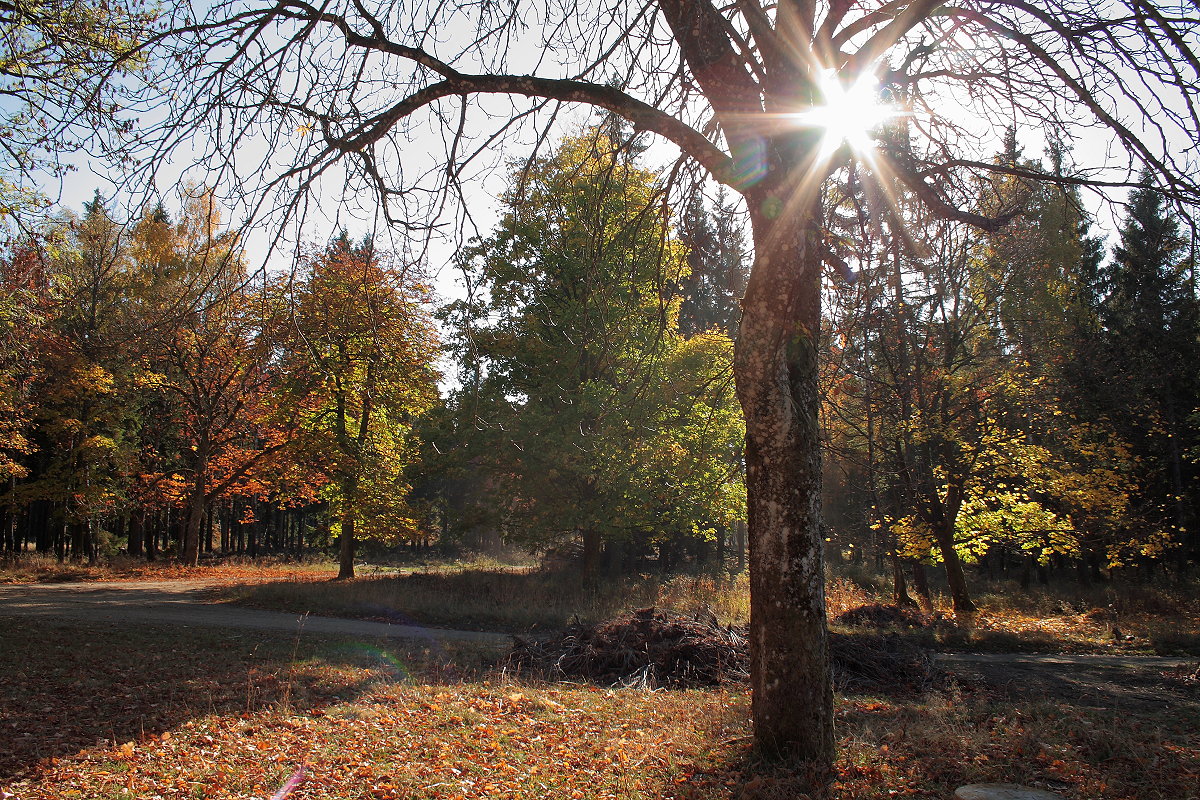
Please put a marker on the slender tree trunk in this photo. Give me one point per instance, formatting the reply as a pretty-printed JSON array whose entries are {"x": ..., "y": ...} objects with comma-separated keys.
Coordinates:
[
  {"x": 346, "y": 539},
  {"x": 775, "y": 367},
  {"x": 921, "y": 586},
  {"x": 346, "y": 547},
  {"x": 8, "y": 528},
  {"x": 60, "y": 534},
  {"x": 955, "y": 578},
  {"x": 740, "y": 545},
  {"x": 189, "y": 553},
  {"x": 137, "y": 532},
  {"x": 152, "y": 538}
]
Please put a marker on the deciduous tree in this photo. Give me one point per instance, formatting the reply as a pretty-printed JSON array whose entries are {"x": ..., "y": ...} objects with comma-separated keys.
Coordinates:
[
  {"x": 357, "y": 349},
  {"x": 601, "y": 423}
]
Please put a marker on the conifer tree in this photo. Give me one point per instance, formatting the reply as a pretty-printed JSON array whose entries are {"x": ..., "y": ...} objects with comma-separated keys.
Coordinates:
[{"x": 1149, "y": 386}]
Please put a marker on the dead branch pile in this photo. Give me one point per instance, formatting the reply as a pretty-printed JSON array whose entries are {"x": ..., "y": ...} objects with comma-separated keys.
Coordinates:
[
  {"x": 881, "y": 616},
  {"x": 648, "y": 648},
  {"x": 656, "y": 648},
  {"x": 872, "y": 663}
]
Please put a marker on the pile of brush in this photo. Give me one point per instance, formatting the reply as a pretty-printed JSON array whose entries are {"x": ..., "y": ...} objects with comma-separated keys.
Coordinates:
[{"x": 658, "y": 648}]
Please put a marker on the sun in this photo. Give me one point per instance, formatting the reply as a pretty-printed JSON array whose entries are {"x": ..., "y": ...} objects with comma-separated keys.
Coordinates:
[{"x": 848, "y": 114}]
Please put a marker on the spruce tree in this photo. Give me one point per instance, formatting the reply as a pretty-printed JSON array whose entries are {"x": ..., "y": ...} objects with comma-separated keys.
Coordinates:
[
  {"x": 1149, "y": 314},
  {"x": 718, "y": 265}
]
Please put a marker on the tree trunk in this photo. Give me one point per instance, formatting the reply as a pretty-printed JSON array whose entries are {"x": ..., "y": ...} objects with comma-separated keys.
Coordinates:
[
  {"x": 137, "y": 532},
  {"x": 78, "y": 541},
  {"x": 346, "y": 537},
  {"x": 921, "y": 586},
  {"x": 775, "y": 367},
  {"x": 189, "y": 553},
  {"x": 346, "y": 548},
  {"x": 955, "y": 578},
  {"x": 740, "y": 545}
]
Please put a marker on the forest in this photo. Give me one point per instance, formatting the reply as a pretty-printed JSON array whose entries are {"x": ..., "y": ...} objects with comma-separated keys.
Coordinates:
[
  {"x": 769, "y": 359},
  {"x": 1021, "y": 402}
]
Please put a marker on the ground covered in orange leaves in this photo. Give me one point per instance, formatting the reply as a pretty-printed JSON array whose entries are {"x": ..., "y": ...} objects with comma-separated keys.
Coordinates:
[
  {"x": 32, "y": 568},
  {"x": 120, "y": 713}
]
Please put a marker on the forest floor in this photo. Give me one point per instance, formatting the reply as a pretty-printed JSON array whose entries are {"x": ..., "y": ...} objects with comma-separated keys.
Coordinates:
[
  {"x": 94, "y": 705},
  {"x": 36, "y": 568}
]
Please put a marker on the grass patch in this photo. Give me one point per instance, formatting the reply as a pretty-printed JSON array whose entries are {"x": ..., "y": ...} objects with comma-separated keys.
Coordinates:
[{"x": 517, "y": 600}]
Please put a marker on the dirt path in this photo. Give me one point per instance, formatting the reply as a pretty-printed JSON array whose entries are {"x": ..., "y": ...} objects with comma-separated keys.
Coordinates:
[
  {"x": 1097, "y": 681},
  {"x": 1144, "y": 682},
  {"x": 187, "y": 603}
]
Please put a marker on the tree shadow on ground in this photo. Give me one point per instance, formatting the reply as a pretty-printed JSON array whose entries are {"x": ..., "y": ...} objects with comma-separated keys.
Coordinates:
[
  {"x": 927, "y": 745},
  {"x": 71, "y": 685},
  {"x": 1119, "y": 683}
]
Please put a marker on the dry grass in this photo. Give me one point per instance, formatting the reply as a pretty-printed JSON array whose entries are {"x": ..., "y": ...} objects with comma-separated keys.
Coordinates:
[
  {"x": 1148, "y": 619},
  {"x": 40, "y": 568},
  {"x": 505, "y": 600},
  {"x": 1160, "y": 617},
  {"x": 237, "y": 718},
  {"x": 1151, "y": 618}
]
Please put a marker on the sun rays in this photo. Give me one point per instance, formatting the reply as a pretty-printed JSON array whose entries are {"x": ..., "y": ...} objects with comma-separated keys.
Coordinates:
[{"x": 848, "y": 114}]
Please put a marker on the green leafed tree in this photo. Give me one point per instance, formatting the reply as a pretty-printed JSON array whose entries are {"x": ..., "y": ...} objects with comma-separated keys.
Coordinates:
[{"x": 603, "y": 425}]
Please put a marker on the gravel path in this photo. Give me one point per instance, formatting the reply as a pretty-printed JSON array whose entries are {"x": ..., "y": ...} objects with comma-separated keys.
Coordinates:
[{"x": 186, "y": 603}]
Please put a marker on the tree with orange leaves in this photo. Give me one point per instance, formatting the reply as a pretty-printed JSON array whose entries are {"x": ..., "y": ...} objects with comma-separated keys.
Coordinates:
[{"x": 357, "y": 345}]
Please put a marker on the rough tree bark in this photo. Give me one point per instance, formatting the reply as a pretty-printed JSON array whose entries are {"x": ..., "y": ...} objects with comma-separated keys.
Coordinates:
[{"x": 776, "y": 368}]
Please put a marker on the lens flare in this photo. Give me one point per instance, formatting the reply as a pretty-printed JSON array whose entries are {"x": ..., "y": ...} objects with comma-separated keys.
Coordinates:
[
  {"x": 399, "y": 670},
  {"x": 848, "y": 114},
  {"x": 289, "y": 787}
]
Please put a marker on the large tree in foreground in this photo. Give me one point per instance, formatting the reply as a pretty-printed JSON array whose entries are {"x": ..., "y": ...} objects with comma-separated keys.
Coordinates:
[{"x": 746, "y": 90}]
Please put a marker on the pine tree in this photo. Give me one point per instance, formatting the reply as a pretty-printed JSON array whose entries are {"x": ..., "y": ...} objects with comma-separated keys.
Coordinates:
[
  {"x": 718, "y": 266},
  {"x": 1150, "y": 386}
]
